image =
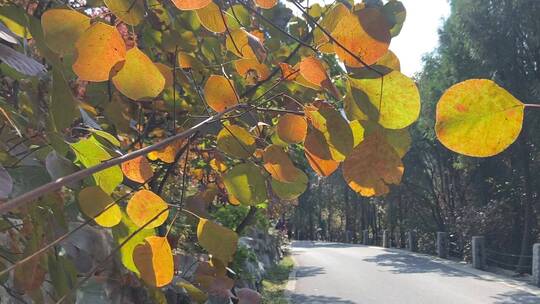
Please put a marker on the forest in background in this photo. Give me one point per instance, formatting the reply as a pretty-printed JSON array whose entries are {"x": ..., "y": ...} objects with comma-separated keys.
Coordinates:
[{"x": 442, "y": 191}]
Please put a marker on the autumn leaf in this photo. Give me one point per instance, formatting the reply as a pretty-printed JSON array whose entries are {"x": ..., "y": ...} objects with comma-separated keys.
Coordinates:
[
  {"x": 364, "y": 33},
  {"x": 372, "y": 166},
  {"x": 219, "y": 93},
  {"x": 138, "y": 69},
  {"x": 478, "y": 118},
  {"x": 212, "y": 18},
  {"x": 98, "y": 50},
  {"x": 97, "y": 204},
  {"x": 219, "y": 241},
  {"x": 154, "y": 260},
  {"x": 292, "y": 128},
  {"x": 137, "y": 170},
  {"x": 314, "y": 72},
  {"x": 246, "y": 183},
  {"x": 397, "y": 107},
  {"x": 236, "y": 141},
  {"x": 62, "y": 28},
  {"x": 144, "y": 206}
]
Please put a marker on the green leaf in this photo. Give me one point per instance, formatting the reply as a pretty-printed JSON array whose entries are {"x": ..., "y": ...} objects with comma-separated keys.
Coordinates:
[
  {"x": 90, "y": 153},
  {"x": 246, "y": 183},
  {"x": 121, "y": 232},
  {"x": 63, "y": 107},
  {"x": 289, "y": 191},
  {"x": 219, "y": 241}
]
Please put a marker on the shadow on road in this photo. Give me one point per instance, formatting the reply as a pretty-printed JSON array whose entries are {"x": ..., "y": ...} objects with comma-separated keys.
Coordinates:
[
  {"x": 308, "y": 271},
  {"x": 515, "y": 297},
  {"x": 404, "y": 263},
  {"x": 312, "y": 299}
]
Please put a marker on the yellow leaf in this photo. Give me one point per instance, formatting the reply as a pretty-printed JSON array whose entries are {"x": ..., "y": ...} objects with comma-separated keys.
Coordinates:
[
  {"x": 219, "y": 241},
  {"x": 62, "y": 28},
  {"x": 397, "y": 108},
  {"x": 139, "y": 78},
  {"x": 236, "y": 141},
  {"x": 478, "y": 118},
  {"x": 143, "y": 206},
  {"x": 14, "y": 17},
  {"x": 212, "y": 18},
  {"x": 98, "y": 50},
  {"x": 154, "y": 260},
  {"x": 219, "y": 93},
  {"x": 329, "y": 23},
  {"x": 245, "y": 45},
  {"x": 93, "y": 200}
]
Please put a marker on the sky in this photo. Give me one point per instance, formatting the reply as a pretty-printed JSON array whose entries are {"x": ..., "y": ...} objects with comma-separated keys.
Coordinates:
[{"x": 420, "y": 32}]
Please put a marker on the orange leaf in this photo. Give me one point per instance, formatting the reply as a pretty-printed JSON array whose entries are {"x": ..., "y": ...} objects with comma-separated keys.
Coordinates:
[
  {"x": 313, "y": 71},
  {"x": 168, "y": 153},
  {"x": 279, "y": 165},
  {"x": 287, "y": 71},
  {"x": 154, "y": 260},
  {"x": 267, "y": 4},
  {"x": 252, "y": 70},
  {"x": 318, "y": 153},
  {"x": 188, "y": 5},
  {"x": 292, "y": 128},
  {"x": 144, "y": 206},
  {"x": 138, "y": 170},
  {"x": 365, "y": 33},
  {"x": 372, "y": 166},
  {"x": 220, "y": 93},
  {"x": 98, "y": 50}
]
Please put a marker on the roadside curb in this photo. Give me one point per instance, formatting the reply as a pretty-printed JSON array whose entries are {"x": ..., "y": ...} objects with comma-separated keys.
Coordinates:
[{"x": 291, "y": 283}]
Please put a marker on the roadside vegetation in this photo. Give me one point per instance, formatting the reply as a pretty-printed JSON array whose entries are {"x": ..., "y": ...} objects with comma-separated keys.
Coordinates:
[{"x": 275, "y": 282}]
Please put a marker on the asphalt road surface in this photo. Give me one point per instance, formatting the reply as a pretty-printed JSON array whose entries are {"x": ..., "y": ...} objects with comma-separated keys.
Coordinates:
[{"x": 346, "y": 274}]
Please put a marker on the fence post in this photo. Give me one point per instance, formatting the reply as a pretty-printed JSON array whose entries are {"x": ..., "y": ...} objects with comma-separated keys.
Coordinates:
[
  {"x": 479, "y": 252},
  {"x": 411, "y": 241},
  {"x": 442, "y": 245},
  {"x": 365, "y": 238},
  {"x": 386, "y": 239},
  {"x": 536, "y": 265}
]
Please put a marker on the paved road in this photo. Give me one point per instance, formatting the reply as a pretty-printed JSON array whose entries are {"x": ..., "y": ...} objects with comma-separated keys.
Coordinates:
[{"x": 346, "y": 274}]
